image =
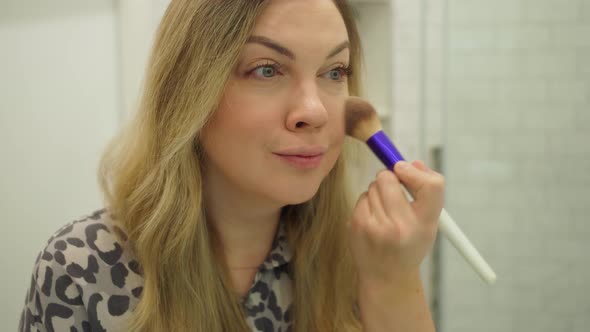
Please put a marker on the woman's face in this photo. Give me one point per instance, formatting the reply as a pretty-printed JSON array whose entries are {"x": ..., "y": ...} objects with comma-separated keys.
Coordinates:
[{"x": 285, "y": 97}]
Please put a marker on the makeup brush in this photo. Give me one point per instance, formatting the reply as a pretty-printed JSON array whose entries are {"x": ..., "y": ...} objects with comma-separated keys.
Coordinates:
[{"x": 362, "y": 123}]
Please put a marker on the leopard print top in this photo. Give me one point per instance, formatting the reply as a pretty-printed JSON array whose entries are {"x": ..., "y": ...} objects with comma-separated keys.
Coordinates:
[{"x": 85, "y": 279}]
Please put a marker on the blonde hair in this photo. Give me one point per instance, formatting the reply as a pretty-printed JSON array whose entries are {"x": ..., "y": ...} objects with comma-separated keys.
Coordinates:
[{"x": 152, "y": 182}]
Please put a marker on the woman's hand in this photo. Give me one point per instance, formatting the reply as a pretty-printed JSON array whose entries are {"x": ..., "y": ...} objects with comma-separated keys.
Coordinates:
[{"x": 390, "y": 236}]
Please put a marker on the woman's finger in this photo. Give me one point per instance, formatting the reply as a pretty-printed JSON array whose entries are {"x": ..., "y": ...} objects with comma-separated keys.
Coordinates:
[
  {"x": 427, "y": 188},
  {"x": 419, "y": 164},
  {"x": 429, "y": 206},
  {"x": 414, "y": 179},
  {"x": 362, "y": 210},
  {"x": 393, "y": 198},
  {"x": 375, "y": 202}
]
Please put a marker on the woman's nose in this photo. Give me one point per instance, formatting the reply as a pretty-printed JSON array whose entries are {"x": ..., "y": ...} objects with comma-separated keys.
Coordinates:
[{"x": 307, "y": 111}]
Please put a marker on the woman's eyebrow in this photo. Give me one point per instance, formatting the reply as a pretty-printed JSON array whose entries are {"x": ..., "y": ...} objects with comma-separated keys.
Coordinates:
[
  {"x": 288, "y": 53},
  {"x": 341, "y": 47}
]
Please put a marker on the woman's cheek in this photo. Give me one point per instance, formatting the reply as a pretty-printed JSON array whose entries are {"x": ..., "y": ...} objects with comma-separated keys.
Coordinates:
[{"x": 333, "y": 156}]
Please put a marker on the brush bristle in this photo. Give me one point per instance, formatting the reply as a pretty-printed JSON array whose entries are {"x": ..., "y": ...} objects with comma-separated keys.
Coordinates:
[{"x": 361, "y": 119}]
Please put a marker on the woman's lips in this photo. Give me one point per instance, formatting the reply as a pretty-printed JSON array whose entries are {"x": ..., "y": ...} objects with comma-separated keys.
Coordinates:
[{"x": 302, "y": 162}]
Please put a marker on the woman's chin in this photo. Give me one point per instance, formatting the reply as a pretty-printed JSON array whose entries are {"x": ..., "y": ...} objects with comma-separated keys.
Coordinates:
[{"x": 294, "y": 198}]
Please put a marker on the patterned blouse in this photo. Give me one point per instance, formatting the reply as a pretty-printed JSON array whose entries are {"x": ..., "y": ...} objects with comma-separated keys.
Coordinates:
[{"x": 86, "y": 280}]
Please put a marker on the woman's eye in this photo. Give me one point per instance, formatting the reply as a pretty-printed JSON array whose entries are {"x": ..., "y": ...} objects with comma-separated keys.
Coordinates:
[
  {"x": 335, "y": 74},
  {"x": 338, "y": 74},
  {"x": 266, "y": 71}
]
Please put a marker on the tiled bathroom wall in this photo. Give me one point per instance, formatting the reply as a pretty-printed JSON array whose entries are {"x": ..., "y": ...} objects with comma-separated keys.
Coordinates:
[{"x": 504, "y": 86}]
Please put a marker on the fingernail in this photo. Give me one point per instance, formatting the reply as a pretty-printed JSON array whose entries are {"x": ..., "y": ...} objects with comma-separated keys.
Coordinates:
[
  {"x": 419, "y": 164},
  {"x": 403, "y": 165}
]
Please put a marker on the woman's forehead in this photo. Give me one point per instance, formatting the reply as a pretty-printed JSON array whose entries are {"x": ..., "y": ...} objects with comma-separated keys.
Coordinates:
[{"x": 297, "y": 20}]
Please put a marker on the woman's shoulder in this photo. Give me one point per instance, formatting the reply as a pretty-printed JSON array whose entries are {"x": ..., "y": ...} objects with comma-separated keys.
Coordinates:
[
  {"x": 90, "y": 245},
  {"x": 95, "y": 234},
  {"x": 85, "y": 272}
]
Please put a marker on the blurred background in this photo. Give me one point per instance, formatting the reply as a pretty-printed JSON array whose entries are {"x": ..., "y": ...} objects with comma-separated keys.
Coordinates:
[{"x": 493, "y": 93}]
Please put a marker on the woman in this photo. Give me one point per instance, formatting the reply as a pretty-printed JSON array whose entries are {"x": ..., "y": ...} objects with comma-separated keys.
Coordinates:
[{"x": 214, "y": 220}]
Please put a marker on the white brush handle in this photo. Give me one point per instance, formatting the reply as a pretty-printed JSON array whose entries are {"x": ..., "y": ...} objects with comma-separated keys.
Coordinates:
[
  {"x": 465, "y": 248},
  {"x": 449, "y": 228}
]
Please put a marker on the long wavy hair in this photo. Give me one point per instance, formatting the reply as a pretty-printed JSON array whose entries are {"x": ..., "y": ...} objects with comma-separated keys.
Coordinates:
[{"x": 151, "y": 176}]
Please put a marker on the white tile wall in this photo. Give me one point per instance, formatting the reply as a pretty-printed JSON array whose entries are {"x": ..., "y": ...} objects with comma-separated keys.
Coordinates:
[
  {"x": 518, "y": 163},
  {"x": 59, "y": 105},
  {"x": 480, "y": 11},
  {"x": 550, "y": 11},
  {"x": 407, "y": 69},
  {"x": 515, "y": 121},
  {"x": 585, "y": 12},
  {"x": 522, "y": 36}
]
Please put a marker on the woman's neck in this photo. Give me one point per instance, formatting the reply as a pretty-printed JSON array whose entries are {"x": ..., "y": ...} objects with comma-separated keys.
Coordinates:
[
  {"x": 244, "y": 241},
  {"x": 245, "y": 225}
]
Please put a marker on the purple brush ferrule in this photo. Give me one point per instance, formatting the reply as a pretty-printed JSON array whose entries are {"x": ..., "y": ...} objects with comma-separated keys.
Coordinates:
[{"x": 384, "y": 149}]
